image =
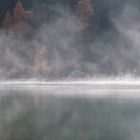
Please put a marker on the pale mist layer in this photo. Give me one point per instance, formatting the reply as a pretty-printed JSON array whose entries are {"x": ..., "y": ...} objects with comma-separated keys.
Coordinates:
[{"x": 59, "y": 49}]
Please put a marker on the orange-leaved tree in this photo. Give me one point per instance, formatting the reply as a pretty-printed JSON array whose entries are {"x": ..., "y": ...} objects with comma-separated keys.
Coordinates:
[
  {"x": 84, "y": 10},
  {"x": 18, "y": 15}
]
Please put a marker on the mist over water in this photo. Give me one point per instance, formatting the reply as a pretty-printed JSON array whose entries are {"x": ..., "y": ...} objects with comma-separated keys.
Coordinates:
[
  {"x": 59, "y": 49},
  {"x": 79, "y": 101}
]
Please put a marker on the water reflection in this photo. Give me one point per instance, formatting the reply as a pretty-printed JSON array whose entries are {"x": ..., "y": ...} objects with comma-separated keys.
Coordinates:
[{"x": 39, "y": 114}]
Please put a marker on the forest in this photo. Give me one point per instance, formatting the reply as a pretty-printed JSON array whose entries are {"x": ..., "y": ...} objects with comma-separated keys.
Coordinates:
[{"x": 70, "y": 39}]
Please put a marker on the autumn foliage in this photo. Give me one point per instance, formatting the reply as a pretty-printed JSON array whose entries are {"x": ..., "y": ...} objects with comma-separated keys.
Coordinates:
[
  {"x": 18, "y": 15},
  {"x": 84, "y": 9}
]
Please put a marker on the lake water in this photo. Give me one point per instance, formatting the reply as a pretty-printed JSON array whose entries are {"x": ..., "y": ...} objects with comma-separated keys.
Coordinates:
[{"x": 69, "y": 111}]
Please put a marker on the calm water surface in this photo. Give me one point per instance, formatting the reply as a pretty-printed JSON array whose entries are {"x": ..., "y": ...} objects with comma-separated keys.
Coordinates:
[{"x": 69, "y": 112}]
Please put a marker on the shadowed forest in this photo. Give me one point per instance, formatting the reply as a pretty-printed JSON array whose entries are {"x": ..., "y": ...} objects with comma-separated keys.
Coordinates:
[{"x": 68, "y": 39}]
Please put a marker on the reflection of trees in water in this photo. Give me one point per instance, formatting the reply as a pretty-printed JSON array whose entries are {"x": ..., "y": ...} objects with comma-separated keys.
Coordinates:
[
  {"x": 66, "y": 118},
  {"x": 16, "y": 117}
]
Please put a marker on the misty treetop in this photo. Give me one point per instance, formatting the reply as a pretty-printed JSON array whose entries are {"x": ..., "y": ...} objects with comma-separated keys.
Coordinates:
[
  {"x": 57, "y": 39},
  {"x": 100, "y": 20},
  {"x": 12, "y": 11}
]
